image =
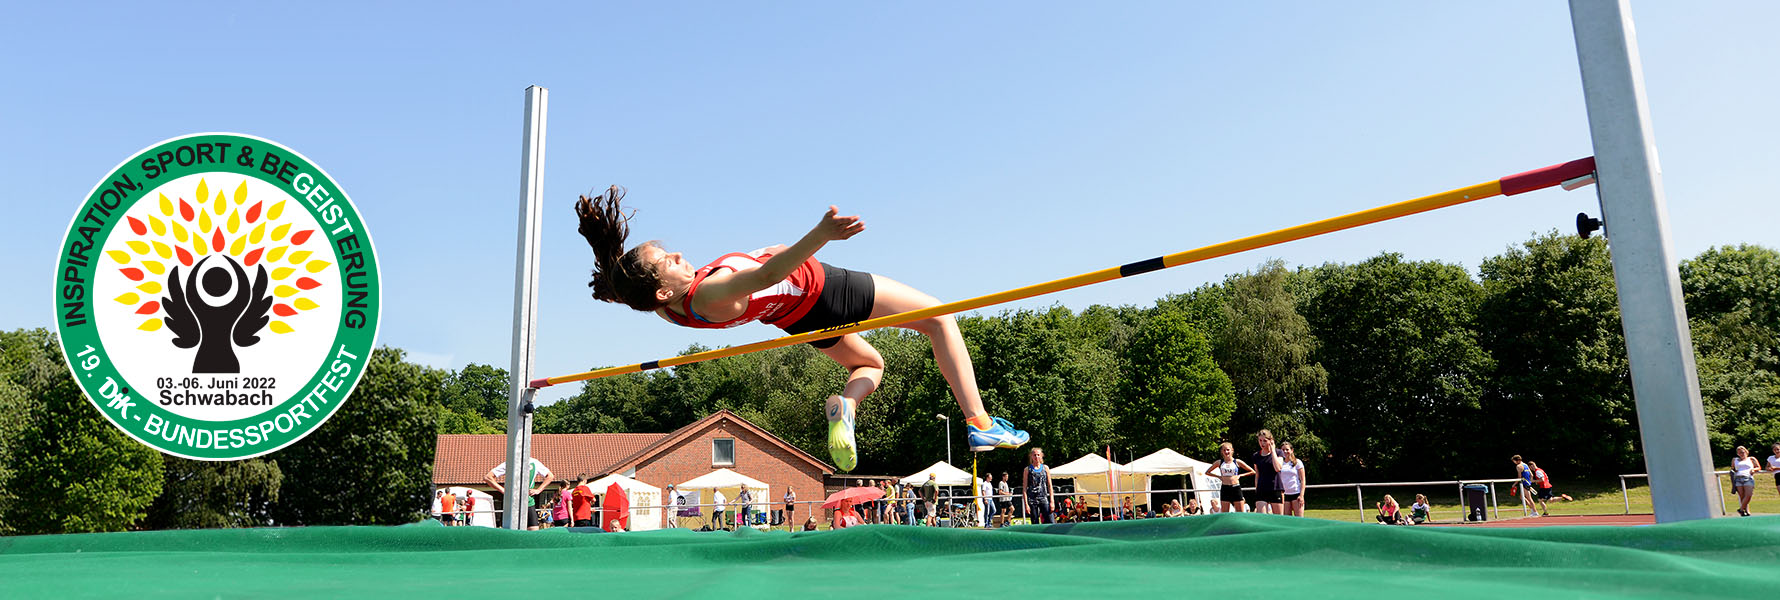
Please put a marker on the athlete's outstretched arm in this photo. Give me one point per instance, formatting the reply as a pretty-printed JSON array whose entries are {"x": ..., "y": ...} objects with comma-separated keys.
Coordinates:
[{"x": 780, "y": 266}]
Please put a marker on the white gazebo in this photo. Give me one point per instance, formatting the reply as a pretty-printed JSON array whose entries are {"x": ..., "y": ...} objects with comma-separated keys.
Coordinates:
[
  {"x": 730, "y": 483},
  {"x": 1169, "y": 462},
  {"x": 644, "y": 500},
  {"x": 1092, "y": 474},
  {"x": 945, "y": 474}
]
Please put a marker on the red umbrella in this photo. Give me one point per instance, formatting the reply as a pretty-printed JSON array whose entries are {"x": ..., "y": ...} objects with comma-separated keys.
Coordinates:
[
  {"x": 853, "y": 495},
  {"x": 616, "y": 508}
]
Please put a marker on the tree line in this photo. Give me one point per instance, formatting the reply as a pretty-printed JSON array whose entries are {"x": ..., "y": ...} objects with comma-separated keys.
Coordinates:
[{"x": 1385, "y": 369}]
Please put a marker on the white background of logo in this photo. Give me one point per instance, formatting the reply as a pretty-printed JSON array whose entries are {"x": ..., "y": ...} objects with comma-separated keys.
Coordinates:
[{"x": 142, "y": 357}]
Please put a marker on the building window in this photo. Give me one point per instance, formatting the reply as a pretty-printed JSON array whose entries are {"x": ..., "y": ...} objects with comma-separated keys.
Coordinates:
[{"x": 723, "y": 452}]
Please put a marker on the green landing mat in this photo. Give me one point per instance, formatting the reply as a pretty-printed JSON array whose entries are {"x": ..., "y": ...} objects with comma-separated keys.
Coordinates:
[{"x": 1214, "y": 556}]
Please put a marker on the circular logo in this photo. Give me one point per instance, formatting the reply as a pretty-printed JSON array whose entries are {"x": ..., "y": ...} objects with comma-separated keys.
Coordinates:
[{"x": 217, "y": 296}]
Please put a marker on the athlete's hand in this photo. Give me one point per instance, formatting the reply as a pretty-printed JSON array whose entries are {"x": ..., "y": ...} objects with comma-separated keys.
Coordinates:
[{"x": 834, "y": 227}]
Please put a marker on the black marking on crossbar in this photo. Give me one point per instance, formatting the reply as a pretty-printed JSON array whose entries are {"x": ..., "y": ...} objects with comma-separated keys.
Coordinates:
[
  {"x": 1141, "y": 267},
  {"x": 654, "y": 364}
]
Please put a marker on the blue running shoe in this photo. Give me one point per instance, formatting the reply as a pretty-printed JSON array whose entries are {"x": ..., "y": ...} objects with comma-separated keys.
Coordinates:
[{"x": 999, "y": 435}]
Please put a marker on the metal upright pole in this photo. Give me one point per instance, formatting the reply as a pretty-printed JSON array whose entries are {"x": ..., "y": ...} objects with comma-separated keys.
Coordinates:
[
  {"x": 525, "y": 307},
  {"x": 1665, "y": 389}
]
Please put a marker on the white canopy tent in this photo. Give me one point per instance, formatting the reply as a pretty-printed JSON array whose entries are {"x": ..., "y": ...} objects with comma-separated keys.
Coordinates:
[
  {"x": 943, "y": 473},
  {"x": 644, "y": 499},
  {"x": 1091, "y": 474},
  {"x": 1169, "y": 462},
  {"x": 730, "y": 484},
  {"x": 484, "y": 508}
]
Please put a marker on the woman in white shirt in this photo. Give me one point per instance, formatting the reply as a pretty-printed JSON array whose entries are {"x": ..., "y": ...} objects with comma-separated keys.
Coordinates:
[
  {"x": 1774, "y": 466},
  {"x": 1743, "y": 469},
  {"x": 1291, "y": 480}
]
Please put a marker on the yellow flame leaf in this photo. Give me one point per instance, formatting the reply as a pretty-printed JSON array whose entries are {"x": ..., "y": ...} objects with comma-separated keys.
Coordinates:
[
  {"x": 150, "y": 325},
  {"x": 277, "y": 209},
  {"x": 155, "y": 266},
  {"x": 156, "y": 224},
  {"x": 138, "y": 246},
  {"x": 221, "y": 205},
  {"x": 279, "y": 327},
  {"x": 284, "y": 291},
  {"x": 239, "y": 245},
  {"x": 259, "y": 232},
  {"x": 241, "y": 192},
  {"x": 281, "y": 272},
  {"x": 315, "y": 266},
  {"x": 166, "y": 206},
  {"x": 276, "y": 253},
  {"x": 305, "y": 304},
  {"x": 179, "y": 231},
  {"x": 199, "y": 246},
  {"x": 122, "y": 258},
  {"x": 164, "y": 250},
  {"x": 203, "y": 222},
  {"x": 279, "y": 231},
  {"x": 234, "y": 221},
  {"x": 130, "y": 298},
  {"x": 203, "y": 192},
  {"x": 297, "y": 258},
  {"x": 152, "y": 287}
]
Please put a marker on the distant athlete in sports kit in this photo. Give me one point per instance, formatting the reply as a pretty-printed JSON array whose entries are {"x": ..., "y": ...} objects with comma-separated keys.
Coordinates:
[{"x": 788, "y": 288}]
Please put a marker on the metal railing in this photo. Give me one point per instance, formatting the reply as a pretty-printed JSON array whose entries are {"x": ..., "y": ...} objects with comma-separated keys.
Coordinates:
[{"x": 1724, "y": 507}]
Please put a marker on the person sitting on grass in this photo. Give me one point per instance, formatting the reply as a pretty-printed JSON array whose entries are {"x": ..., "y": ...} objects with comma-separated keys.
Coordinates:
[
  {"x": 1174, "y": 509},
  {"x": 1418, "y": 512},
  {"x": 1192, "y": 507},
  {"x": 1389, "y": 513}
]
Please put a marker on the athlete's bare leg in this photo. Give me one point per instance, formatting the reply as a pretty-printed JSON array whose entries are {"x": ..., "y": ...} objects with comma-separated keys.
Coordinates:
[{"x": 949, "y": 351}]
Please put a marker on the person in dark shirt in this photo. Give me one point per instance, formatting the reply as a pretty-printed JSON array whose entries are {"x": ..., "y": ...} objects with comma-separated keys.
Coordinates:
[
  {"x": 1266, "y": 462},
  {"x": 1035, "y": 481}
]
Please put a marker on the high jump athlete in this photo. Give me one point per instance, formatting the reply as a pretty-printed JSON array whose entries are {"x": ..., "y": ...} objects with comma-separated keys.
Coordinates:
[{"x": 788, "y": 288}]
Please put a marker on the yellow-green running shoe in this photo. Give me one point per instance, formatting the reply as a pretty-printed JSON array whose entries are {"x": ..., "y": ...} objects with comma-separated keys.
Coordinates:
[{"x": 841, "y": 413}]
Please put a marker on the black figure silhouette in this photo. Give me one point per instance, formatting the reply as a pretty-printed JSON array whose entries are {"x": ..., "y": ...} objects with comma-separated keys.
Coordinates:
[{"x": 216, "y": 329}]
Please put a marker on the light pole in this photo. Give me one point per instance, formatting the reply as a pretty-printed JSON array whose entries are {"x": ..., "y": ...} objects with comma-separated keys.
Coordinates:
[{"x": 948, "y": 421}]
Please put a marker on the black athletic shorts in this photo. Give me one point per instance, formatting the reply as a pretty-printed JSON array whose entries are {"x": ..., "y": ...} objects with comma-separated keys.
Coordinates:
[
  {"x": 1230, "y": 493},
  {"x": 846, "y": 298},
  {"x": 1293, "y": 497},
  {"x": 1269, "y": 496}
]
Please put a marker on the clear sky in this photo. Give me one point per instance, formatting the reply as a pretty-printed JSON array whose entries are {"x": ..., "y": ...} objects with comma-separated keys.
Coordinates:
[{"x": 987, "y": 146}]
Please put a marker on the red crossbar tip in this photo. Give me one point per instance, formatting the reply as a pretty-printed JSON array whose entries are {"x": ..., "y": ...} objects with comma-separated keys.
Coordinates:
[
  {"x": 1538, "y": 179},
  {"x": 540, "y": 383}
]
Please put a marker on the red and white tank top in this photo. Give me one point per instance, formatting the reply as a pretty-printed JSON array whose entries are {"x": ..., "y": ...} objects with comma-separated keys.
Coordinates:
[{"x": 781, "y": 304}]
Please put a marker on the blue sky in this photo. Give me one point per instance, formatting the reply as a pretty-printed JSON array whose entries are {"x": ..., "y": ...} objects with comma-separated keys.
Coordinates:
[{"x": 987, "y": 146}]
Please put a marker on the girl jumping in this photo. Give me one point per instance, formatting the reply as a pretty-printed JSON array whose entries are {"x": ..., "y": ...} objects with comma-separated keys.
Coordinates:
[{"x": 788, "y": 288}]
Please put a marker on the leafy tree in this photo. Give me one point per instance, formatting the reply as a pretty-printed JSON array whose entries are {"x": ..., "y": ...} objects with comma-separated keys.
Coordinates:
[
  {"x": 1266, "y": 348},
  {"x": 474, "y": 400},
  {"x": 1404, "y": 365},
  {"x": 1062, "y": 389},
  {"x": 1733, "y": 307},
  {"x": 1176, "y": 396},
  {"x": 210, "y": 494},
  {"x": 68, "y": 469},
  {"x": 372, "y": 463},
  {"x": 1550, "y": 317}
]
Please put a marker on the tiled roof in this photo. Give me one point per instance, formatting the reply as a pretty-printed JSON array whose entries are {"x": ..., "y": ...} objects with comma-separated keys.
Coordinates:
[
  {"x": 462, "y": 459},
  {"x": 667, "y": 441}
]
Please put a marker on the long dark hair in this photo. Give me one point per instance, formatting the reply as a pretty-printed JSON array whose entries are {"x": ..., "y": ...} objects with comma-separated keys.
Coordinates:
[{"x": 618, "y": 276}]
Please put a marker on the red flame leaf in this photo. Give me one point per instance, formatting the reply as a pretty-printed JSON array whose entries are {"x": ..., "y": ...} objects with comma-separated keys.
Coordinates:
[
  {"x": 253, "y": 256},
  {"x": 298, "y": 239},
  {"x": 133, "y": 274},
  {"x": 253, "y": 214},
  {"x": 216, "y": 241},
  {"x": 283, "y": 310},
  {"x": 137, "y": 226},
  {"x": 185, "y": 210},
  {"x": 185, "y": 258},
  {"x": 148, "y": 308},
  {"x": 308, "y": 284}
]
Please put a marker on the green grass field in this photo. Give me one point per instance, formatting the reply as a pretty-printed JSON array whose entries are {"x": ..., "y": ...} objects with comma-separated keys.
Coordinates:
[{"x": 1594, "y": 497}]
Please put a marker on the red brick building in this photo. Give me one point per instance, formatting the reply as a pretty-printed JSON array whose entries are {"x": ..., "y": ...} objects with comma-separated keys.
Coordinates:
[{"x": 720, "y": 440}]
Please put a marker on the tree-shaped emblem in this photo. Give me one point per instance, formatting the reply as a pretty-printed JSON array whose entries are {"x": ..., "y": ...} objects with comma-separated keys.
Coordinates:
[{"x": 227, "y": 281}]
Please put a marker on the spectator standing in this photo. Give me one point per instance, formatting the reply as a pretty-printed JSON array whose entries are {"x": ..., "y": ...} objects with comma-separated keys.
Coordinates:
[
  {"x": 743, "y": 501},
  {"x": 1267, "y": 464},
  {"x": 930, "y": 500},
  {"x": 438, "y": 501},
  {"x": 1004, "y": 498},
  {"x": 720, "y": 502},
  {"x": 535, "y": 472},
  {"x": 469, "y": 507},
  {"x": 1774, "y": 466},
  {"x": 985, "y": 502},
  {"x": 790, "y": 508},
  {"x": 1035, "y": 483},
  {"x": 908, "y": 504},
  {"x": 448, "y": 508},
  {"x": 581, "y": 501},
  {"x": 563, "y": 514},
  {"x": 1230, "y": 470},
  {"x": 1291, "y": 480},
  {"x": 1743, "y": 468}
]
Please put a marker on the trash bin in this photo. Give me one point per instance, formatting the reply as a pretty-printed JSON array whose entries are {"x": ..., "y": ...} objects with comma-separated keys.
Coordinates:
[{"x": 1476, "y": 501}]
